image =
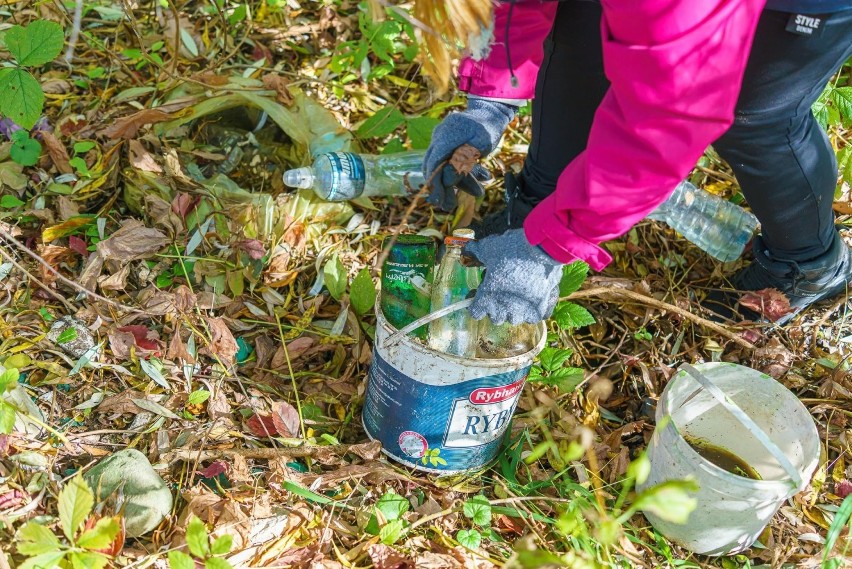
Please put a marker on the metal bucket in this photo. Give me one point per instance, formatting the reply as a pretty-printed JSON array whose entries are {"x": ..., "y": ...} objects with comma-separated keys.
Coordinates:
[{"x": 438, "y": 412}]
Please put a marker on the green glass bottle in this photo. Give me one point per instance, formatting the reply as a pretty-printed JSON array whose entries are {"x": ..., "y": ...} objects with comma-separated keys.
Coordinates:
[{"x": 407, "y": 280}]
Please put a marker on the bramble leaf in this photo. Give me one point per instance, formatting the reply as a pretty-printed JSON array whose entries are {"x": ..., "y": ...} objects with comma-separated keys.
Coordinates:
[
  {"x": 37, "y": 44},
  {"x": 22, "y": 99}
]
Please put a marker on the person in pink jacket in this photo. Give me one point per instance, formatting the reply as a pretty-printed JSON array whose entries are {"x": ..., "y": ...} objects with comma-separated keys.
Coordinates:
[{"x": 628, "y": 94}]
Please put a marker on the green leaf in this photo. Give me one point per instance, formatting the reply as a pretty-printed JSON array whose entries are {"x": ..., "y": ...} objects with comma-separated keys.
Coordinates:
[
  {"x": 37, "y": 44},
  {"x": 217, "y": 563},
  {"x": 198, "y": 397},
  {"x": 100, "y": 536},
  {"x": 83, "y": 146},
  {"x": 67, "y": 335},
  {"x": 362, "y": 292},
  {"x": 22, "y": 99},
  {"x": 842, "y": 99},
  {"x": 392, "y": 505},
  {"x": 196, "y": 538},
  {"x": 670, "y": 500},
  {"x": 180, "y": 560},
  {"x": 43, "y": 561},
  {"x": 566, "y": 379},
  {"x": 8, "y": 379},
  {"x": 838, "y": 524},
  {"x": 87, "y": 560},
  {"x": 395, "y": 145},
  {"x": 573, "y": 276},
  {"x": 640, "y": 469},
  {"x": 392, "y": 531},
  {"x": 478, "y": 509},
  {"x": 571, "y": 315},
  {"x": 553, "y": 358},
  {"x": 420, "y": 131},
  {"x": 222, "y": 545},
  {"x": 335, "y": 277},
  {"x": 25, "y": 151},
  {"x": 80, "y": 165},
  {"x": 469, "y": 538},
  {"x": 75, "y": 505},
  {"x": 9, "y": 202},
  {"x": 381, "y": 124},
  {"x": 35, "y": 539},
  {"x": 7, "y": 417}
]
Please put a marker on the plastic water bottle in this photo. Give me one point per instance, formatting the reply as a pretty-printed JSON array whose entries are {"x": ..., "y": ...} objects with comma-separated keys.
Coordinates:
[
  {"x": 719, "y": 227},
  {"x": 340, "y": 176},
  {"x": 456, "y": 333}
]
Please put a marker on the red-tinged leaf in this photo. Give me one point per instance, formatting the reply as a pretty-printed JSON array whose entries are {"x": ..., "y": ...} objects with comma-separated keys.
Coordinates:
[
  {"x": 286, "y": 419},
  {"x": 253, "y": 248},
  {"x": 117, "y": 544},
  {"x": 143, "y": 337},
  {"x": 13, "y": 499},
  {"x": 4, "y": 445},
  {"x": 262, "y": 425},
  {"x": 843, "y": 488},
  {"x": 769, "y": 302},
  {"x": 751, "y": 335},
  {"x": 78, "y": 246},
  {"x": 184, "y": 203},
  {"x": 215, "y": 469}
]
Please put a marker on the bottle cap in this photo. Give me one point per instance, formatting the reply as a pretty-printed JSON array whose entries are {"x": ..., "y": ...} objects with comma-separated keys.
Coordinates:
[
  {"x": 456, "y": 241},
  {"x": 464, "y": 232},
  {"x": 302, "y": 178}
]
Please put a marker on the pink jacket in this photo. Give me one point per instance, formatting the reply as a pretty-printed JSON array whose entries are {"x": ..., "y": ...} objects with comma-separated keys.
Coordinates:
[{"x": 675, "y": 67}]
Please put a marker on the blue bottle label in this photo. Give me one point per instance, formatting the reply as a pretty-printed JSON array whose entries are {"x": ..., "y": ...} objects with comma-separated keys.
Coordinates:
[
  {"x": 348, "y": 176},
  {"x": 440, "y": 427}
]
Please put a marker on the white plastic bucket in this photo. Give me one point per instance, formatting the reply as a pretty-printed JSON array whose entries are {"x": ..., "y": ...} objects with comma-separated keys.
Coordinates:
[
  {"x": 750, "y": 415},
  {"x": 438, "y": 412}
]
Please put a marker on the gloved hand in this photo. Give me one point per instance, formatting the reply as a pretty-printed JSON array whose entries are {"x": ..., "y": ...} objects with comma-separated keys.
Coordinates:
[
  {"x": 481, "y": 125},
  {"x": 521, "y": 281}
]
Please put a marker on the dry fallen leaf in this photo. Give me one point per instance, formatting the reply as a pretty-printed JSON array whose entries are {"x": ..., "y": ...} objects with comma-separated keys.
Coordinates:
[
  {"x": 131, "y": 242},
  {"x": 222, "y": 342},
  {"x": 464, "y": 159},
  {"x": 386, "y": 557},
  {"x": 141, "y": 159},
  {"x": 769, "y": 302},
  {"x": 262, "y": 425},
  {"x": 128, "y": 127},
  {"x": 278, "y": 84},
  {"x": 57, "y": 152},
  {"x": 285, "y": 417}
]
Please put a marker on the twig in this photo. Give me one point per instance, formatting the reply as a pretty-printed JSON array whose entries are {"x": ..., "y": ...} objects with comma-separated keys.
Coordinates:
[
  {"x": 604, "y": 292},
  {"x": 261, "y": 453},
  {"x": 75, "y": 32},
  {"x": 41, "y": 285},
  {"x": 10, "y": 239}
]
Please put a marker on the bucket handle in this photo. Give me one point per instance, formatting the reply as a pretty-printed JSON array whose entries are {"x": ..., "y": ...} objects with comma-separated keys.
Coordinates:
[
  {"x": 422, "y": 321},
  {"x": 743, "y": 418}
]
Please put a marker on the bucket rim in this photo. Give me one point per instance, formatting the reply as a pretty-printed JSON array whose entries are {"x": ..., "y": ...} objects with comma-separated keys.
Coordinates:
[
  {"x": 486, "y": 363},
  {"x": 786, "y": 482}
]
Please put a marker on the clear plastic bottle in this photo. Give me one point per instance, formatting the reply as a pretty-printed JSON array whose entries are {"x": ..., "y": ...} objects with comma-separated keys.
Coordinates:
[
  {"x": 719, "y": 227},
  {"x": 340, "y": 176},
  {"x": 456, "y": 333},
  {"x": 497, "y": 341}
]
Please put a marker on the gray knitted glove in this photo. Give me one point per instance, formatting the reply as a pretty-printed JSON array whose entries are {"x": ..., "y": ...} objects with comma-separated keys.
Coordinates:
[
  {"x": 521, "y": 281},
  {"x": 481, "y": 125}
]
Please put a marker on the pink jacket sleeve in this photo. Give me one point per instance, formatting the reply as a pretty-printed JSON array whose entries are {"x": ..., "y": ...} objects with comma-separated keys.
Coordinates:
[
  {"x": 530, "y": 23},
  {"x": 676, "y": 67}
]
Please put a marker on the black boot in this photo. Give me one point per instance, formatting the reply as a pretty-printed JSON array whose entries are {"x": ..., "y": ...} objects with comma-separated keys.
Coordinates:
[
  {"x": 803, "y": 283},
  {"x": 518, "y": 207}
]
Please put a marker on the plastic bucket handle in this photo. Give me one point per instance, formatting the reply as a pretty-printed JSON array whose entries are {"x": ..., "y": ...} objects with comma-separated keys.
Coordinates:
[
  {"x": 407, "y": 329},
  {"x": 743, "y": 418}
]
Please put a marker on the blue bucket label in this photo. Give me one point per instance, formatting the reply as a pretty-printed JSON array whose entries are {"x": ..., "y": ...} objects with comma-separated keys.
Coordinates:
[
  {"x": 442, "y": 428},
  {"x": 348, "y": 176}
]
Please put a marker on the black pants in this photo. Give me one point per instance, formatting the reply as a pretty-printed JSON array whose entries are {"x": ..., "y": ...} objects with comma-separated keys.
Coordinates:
[{"x": 780, "y": 155}]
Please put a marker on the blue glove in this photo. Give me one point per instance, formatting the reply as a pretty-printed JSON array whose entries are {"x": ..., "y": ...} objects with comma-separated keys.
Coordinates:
[
  {"x": 521, "y": 281},
  {"x": 481, "y": 125}
]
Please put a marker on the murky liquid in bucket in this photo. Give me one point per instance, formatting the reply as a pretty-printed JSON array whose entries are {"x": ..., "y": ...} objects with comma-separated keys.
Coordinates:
[{"x": 723, "y": 458}]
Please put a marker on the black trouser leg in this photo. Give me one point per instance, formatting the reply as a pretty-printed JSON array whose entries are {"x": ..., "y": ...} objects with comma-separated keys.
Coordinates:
[
  {"x": 569, "y": 88},
  {"x": 779, "y": 153}
]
